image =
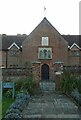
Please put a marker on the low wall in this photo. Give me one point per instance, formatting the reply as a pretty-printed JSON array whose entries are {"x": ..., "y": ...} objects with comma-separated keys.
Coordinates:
[
  {"x": 15, "y": 74},
  {"x": 76, "y": 70}
]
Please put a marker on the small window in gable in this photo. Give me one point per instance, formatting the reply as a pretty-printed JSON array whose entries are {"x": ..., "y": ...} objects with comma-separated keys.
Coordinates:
[
  {"x": 13, "y": 52},
  {"x": 75, "y": 53},
  {"x": 45, "y": 41}
]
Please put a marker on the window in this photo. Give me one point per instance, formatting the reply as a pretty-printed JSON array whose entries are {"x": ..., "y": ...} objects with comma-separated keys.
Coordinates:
[
  {"x": 45, "y": 53},
  {"x": 45, "y": 41},
  {"x": 75, "y": 53},
  {"x": 13, "y": 52}
]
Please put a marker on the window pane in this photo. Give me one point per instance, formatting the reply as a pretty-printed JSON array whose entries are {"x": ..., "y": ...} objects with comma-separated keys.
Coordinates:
[
  {"x": 45, "y": 53},
  {"x": 44, "y": 41}
]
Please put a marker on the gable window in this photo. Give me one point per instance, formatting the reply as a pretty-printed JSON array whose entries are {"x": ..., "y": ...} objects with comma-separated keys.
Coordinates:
[
  {"x": 14, "y": 52},
  {"x": 45, "y": 41},
  {"x": 75, "y": 53}
]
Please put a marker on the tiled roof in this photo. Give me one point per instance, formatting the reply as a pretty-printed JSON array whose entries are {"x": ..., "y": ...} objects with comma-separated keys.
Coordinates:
[
  {"x": 8, "y": 40},
  {"x": 73, "y": 39}
]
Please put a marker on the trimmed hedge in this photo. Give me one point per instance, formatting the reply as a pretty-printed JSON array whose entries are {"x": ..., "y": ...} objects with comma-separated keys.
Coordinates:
[
  {"x": 77, "y": 96},
  {"x": 15, "y": 110}
]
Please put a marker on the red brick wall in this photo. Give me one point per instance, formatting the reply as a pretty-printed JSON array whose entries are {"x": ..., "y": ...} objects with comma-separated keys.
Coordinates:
[{"x": 56, "y": 42}]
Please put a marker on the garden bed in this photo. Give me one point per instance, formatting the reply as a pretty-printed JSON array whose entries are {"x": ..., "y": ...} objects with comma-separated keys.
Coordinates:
[{"x": 13, "y": 108}]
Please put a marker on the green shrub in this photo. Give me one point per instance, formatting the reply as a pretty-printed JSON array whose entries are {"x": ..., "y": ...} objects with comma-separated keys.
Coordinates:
[
  {"x": 18, "y": 85},
  {"x": 26, "y": 85},
  {"x": 7, "y": 93},
  {"x": 79, "y": 85},
  {"x": 69, "y": 82}
]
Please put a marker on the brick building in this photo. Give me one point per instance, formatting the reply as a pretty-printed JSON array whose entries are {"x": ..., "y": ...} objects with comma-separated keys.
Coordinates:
[{"x": 44, "y": 45}]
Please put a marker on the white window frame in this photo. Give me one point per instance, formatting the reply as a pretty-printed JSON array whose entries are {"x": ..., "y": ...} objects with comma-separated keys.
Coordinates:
[
  {"x": 45, "y": 41},
  {"x": 42, "y": 56}
]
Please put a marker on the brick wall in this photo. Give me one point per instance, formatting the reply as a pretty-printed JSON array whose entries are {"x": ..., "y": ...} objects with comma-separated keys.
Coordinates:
[
  {"x": 16, "y": 74},
  {"x": 56, "y": 42}
]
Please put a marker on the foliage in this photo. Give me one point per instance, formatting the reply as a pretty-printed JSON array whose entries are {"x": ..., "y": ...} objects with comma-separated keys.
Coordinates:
[
  {"x": 7, "y": 93},
  {"x": 69, "y": 82},
  {"x": 6, "y": 102},
  {"x": 26, "y": 85},
  {"x": 15, "y": 109},
  {"x": 79, "y": 85},
  {"x": 77, "y": 96}
]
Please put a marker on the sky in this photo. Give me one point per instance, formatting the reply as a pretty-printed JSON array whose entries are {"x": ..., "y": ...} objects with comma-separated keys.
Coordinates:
[{"x": 22, "y": 16}]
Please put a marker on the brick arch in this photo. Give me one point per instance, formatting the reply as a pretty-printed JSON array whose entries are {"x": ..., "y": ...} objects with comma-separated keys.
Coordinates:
[{"x": 45, "y": 72}]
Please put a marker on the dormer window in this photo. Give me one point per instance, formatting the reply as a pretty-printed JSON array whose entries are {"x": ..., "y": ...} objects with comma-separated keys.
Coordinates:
[
  {"x": 75, "y": 53},
  {"x": 45, "y": 41}
]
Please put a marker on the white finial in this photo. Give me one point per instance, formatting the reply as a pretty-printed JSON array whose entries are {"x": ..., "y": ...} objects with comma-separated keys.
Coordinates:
[{"x": 44, "y": 11}]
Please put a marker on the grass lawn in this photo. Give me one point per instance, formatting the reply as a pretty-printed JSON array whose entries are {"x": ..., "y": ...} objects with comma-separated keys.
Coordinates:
[{"x": 6, "y": 102}]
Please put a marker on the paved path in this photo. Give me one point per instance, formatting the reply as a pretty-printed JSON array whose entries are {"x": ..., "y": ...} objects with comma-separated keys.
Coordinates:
[{"x": 51, "y": 105}]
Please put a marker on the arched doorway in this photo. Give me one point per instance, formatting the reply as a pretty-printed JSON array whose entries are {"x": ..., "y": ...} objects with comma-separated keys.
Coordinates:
[{"x": 45, "y": 72}]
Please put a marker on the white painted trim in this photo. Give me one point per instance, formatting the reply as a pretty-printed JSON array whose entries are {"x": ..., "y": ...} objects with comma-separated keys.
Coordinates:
[
  {"x": 74, "y": 44},
  {"x": 68, "y": 46},
  {"x": 13, "y": 45}
]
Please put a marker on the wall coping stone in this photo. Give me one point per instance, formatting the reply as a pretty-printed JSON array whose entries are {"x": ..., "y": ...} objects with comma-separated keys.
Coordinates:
[{"x": 36, "y": 62}]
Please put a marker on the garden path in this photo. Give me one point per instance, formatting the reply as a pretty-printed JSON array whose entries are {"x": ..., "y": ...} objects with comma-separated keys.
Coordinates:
[{"x": 51, "y": 105}]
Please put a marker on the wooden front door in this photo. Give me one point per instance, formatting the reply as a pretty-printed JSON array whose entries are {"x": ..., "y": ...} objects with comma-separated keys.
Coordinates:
[{"x": 45, "y": 72}]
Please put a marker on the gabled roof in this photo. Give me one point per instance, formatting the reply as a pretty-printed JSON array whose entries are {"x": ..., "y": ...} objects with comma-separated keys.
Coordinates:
[
  {"x": 45, "y": 22},
  {"x": 74, "y": 44},
  {"x": 71, "y": 39},
  {"x": 8, "y": 40},
  {"x": 14, "y": 44}
]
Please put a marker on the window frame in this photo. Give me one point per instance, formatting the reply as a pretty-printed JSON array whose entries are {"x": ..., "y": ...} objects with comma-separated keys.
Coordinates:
[
  {"x": 44, "y": 55},
  {"x": 45, "y": 41}
]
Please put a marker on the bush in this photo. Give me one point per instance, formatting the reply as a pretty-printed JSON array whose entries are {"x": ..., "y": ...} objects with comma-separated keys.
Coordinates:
[
  {"x": 28, "y": 85},
  {"x": 12, "y": 115},
  {"x": 79, "y": 85},
  {"x": 77, "y": 96},
  {"x": 15, "y": 110},
  {"x": 21, "y": 100},
  {"x": 18, "y": 85},
  {"x": 24, "y": 96},
  {"x": 7, "y": 93},
  {"x": 17, "y": 105},
  {"x": 69, "y": 82}
]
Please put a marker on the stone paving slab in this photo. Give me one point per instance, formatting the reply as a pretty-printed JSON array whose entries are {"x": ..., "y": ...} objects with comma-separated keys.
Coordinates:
[{"x": 54, "y": 105}]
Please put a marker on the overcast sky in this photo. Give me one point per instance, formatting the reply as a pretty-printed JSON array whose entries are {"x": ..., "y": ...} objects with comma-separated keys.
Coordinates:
[{"x": 22, "y": 16}]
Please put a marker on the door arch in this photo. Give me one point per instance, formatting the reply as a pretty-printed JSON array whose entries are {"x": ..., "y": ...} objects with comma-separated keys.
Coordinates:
[{"x": 44, "y": 72}]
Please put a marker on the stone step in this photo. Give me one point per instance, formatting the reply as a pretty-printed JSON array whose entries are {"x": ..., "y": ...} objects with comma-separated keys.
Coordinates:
[
  {"x": 47, "y": 86},
  {"x": 57, "y": 117}
]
